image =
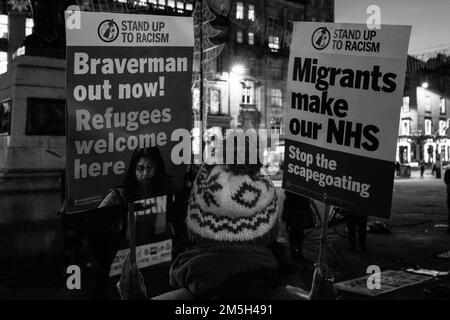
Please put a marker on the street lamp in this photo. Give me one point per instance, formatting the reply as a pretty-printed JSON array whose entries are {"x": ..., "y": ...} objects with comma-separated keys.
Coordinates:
[{"x": 238, "y": 69}]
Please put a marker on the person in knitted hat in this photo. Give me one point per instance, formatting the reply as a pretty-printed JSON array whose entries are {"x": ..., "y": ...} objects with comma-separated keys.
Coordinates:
[
  {"x": 232, "y": 206},
  {"x": 232, "y": 219}
]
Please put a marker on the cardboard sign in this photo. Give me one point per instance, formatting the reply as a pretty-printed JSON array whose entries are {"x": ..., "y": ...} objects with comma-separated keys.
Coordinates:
[
  {"x": 128, "y": 87},
  {"x": 146, "y": 255},
  {"x": 390, "y": 280},
  {"x": 345, "y": 86}
]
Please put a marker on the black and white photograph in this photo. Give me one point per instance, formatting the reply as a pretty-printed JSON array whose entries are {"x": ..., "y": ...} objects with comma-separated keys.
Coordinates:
[{"x": 216, "y": 157}]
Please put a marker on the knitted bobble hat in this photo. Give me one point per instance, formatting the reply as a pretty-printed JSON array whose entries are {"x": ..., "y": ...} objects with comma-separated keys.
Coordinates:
[{"x": 235, "y": 207}]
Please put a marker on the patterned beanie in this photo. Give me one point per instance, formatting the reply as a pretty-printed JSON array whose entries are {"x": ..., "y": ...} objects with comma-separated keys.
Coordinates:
[{"x": 233, "y": 207}]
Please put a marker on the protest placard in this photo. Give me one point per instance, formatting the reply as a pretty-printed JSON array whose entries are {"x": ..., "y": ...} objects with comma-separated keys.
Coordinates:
[
  {"x": 344, "y": 87},
  {"x": 391, "y": 280},
  {"x": 128, "y": 87},
  {"x": 146, "y": 255}
]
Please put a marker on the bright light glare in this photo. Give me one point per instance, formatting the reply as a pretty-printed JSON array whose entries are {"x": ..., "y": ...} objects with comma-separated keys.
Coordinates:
[{"x": 238, "y": 69}]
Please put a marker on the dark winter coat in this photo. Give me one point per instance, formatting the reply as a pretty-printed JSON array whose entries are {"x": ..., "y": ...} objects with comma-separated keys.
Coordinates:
[
  {"x": 447, "y": 179},
  {"x": 226, "y": 271}
]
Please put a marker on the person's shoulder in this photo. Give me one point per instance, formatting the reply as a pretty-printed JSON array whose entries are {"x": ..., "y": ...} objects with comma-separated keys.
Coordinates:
[{"x": 447, "y": 174}]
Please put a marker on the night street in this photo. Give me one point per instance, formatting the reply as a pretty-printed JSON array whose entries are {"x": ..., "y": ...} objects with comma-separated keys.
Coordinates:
[
  {"x": 218, "y": 150},
  {"x": 418, "y": 207},
  {"x": 416, "y": 240}
]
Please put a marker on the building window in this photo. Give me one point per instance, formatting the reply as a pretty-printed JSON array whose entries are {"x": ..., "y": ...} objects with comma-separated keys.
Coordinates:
[
  {"x": 295, "y": 15},
  {"x": 239, "y": 36},
  {"x": 246, "y": 95},
  {"x": 180, "y": 6},
  {"x": 405, "y": 107},
  {"x": 251, "y": 38},
  {"x": 442, "y": 106},
  {"x": 442, "y": 127},
  {"x": 214, "y": 101},
  {"x": 274, "y": 43},
  {"x": 405, "y": 127},
  {"x": 143, "y": 3},
  {"x": 248, "y": 91},
  {"x": 3, "y": 62},
  {"x": 272, "y": 14},
  {"x": 5, "y": 117},
  {"x": 276, "y": 68},
  {"x": 45, "y": 117},
  {"x": 29, "y": 24},
  {"x": 162, "y": 4},
  {"x": 428, "y": 127},
  {"x": 239, "y": 10},
  {"x": 251, "y": 12},
  {"x": 171, "y": 3},
  {"x": 189, "y": 6},
  {"x": 276, "y": 100},
  {"x": 253, "y": 65},
  {"x": 428, "y": 104},
  {"x": 3, "y": 26},
  {"x": 275, "y": 123}
]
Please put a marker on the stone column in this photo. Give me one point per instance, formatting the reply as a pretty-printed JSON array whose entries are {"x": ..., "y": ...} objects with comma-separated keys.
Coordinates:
[{"x": 16, "y": 32}]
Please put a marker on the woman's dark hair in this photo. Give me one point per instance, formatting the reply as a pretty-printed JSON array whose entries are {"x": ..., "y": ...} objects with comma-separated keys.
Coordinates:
[{"x": 130, "y": 181}]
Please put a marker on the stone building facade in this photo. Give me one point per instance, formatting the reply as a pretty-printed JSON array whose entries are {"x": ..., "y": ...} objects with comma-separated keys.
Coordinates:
[{"x": 425, "y": 115}]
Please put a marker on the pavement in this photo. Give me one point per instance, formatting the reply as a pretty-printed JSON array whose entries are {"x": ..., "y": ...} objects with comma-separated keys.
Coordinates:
[{"x": 418, "y": 235}]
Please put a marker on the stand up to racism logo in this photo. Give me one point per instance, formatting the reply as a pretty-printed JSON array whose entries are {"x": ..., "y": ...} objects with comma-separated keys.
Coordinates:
[
  {"x": 108, "y": 31},
  {"x": 321, "y": 38}
]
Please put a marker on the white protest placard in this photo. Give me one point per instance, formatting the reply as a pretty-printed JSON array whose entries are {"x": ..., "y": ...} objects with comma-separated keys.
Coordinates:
[
  {"x": 128, "y": 87},
  {"x": 345, "y": 85},
  {"x": 146, "y": 256}
]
